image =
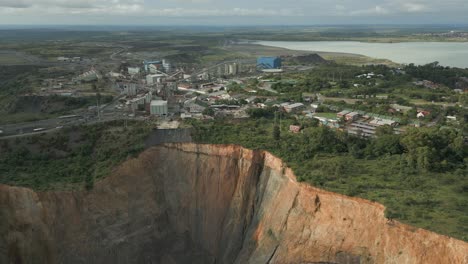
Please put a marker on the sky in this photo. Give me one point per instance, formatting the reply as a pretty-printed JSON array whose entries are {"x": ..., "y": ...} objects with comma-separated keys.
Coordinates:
[{"x": 234, "y": 12}]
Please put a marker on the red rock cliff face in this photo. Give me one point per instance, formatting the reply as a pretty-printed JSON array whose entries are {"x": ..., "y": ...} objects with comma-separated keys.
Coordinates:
[{"x": 188, "y": 203}]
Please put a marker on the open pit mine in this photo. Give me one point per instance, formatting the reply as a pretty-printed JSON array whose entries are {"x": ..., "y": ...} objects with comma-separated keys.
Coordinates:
[{"x": 189, "y": 203}]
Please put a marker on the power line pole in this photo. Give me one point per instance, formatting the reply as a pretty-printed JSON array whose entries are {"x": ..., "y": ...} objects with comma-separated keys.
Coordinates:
[
  {"x": 280, "y": 120},
  {"x": 98, "y": 109}
]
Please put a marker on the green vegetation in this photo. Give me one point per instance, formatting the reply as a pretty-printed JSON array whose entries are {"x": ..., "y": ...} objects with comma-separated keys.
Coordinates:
[
  {"x": 348, "y": 87},
  {"x": 70, "y": 159},
  {"x": 420, "y": 176},
  {"x": 436, "y": 73}
]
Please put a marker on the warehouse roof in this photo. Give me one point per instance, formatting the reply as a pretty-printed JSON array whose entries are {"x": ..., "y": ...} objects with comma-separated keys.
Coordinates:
[{"x": 158, "y": 102}]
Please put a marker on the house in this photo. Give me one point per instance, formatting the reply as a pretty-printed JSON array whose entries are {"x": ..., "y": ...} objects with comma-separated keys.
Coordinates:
[
  {"x": 195, "y": 108},
  {"x": 250, "y": 99},
  {"x": 185, "y": 116},
  {"x": 400, "y": 108},
  {"x": 427, "y": 84},
  {"x": 295, "y": 129},
  {"x": 451, "y": 118},
  {"x": 294, "y": 107},
  {"x": 422, "y": 113},
  {"x": 342, "y": 113},
  {"x": 63, "y": 59},
  {"x": 352, "y": 116},
  {"x": 382, "y": 122}
]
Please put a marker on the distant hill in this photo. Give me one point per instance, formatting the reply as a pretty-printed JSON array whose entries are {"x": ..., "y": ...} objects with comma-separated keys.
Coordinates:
[{"x": 306, "y": 59}]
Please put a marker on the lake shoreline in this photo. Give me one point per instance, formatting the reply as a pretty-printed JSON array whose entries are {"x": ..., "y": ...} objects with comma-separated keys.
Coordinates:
[
  {"x": 251, "y": 49},
  {"x": 452, "y": 54}
]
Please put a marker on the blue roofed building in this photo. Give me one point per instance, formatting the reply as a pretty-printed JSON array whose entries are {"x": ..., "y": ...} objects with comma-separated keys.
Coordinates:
[{"x": 269, "y": 63}]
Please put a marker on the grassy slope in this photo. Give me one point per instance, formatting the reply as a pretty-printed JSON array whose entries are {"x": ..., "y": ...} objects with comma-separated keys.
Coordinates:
[{"x": 63, "y": 160}]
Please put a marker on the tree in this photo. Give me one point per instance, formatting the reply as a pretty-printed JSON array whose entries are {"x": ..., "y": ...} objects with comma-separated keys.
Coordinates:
[
  {"x": 312, "y": 123},
  {"x": 89, "y": 181},
  {"x": 268, "y": 112},
  {"x": 276, "y": 133},
  {"x": 208, "y": 111},
  {"x": 384, "y": 130},
  {"x": 344, "y": 84},
  {"x": 385, "y": 144}
]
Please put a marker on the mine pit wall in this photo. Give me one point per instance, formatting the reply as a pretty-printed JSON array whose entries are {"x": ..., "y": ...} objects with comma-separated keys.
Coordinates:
[
  {"x": 163, "y": 136},
  {"x": 188, "y": 203}
]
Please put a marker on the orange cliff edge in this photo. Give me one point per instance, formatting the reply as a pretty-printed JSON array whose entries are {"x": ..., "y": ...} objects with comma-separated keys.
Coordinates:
[{"x": 192, "y": 203}]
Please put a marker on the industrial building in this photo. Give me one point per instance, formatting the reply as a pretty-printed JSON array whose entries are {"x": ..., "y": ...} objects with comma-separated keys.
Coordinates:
[
  {"x": 137, "y": 103},
  {"x": 269, "y": 63},
  {"x": 156, "y": 63},
  {"x": 130, "y": 89},
  {"x": 368, "y": 129},
  {"x": 233, "y": 69},
  {"x": 166, "y": 66},
  {"x": 133, "y": 70},
  {"x": 154, "y": 78},
  {"x": 158, "y": 108},
  {"x": 88, "y": 76},
  {"x": 363, "y": 129}
]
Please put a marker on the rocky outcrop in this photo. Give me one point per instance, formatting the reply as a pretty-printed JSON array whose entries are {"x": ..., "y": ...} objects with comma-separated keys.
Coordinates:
[{"x": 188, "y": 203}]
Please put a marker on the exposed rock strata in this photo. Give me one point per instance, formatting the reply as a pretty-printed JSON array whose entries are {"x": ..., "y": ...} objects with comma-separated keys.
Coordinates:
[{"x": 188, "y": 203}]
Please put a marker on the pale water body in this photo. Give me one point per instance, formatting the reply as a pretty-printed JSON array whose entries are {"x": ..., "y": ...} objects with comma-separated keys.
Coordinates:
[{"x": 453, "y": 54}]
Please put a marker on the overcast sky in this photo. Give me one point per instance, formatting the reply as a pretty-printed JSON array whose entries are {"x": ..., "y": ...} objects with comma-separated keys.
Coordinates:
[{"x": 234, "y": 12}]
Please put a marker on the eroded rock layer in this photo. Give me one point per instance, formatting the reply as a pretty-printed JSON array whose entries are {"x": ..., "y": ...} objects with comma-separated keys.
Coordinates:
[{"x": 188, "y": 203}]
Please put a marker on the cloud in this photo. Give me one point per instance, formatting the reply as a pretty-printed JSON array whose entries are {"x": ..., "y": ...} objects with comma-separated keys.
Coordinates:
[
  {"x": 414, "y": 7},
  {"x": 377, "y": 10},
  {"x": 134, "y": 8},
  {"x": 183, "y": 12},
  {"x": 193, "y": 1},
  {"x": 340, "y": 7},
  {"x": 275, "y": 11},
  {"x": 66, "y": 3},
  {"x": 14, "y": 3}
]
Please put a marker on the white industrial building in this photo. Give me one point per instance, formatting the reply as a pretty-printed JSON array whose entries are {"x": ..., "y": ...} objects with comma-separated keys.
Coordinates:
[
  {"x": 148, "y": 97},
  {"x": 135, "y": 103},
  {"x": 233, "y": 69},
  {"x": 154, "y": 78},
  {"x": 166, "y": 66},
  {"x": 158, "y": 108},
  {"x": 133, "y": 70}
]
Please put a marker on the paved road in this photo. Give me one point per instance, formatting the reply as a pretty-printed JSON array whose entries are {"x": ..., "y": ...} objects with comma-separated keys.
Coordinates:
[
  {"x": 121, "y": 50},
  {"x": 267, "y": 87},
  {"x": 108, "y": 113},
  {"x": 55, "y": 124}
]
